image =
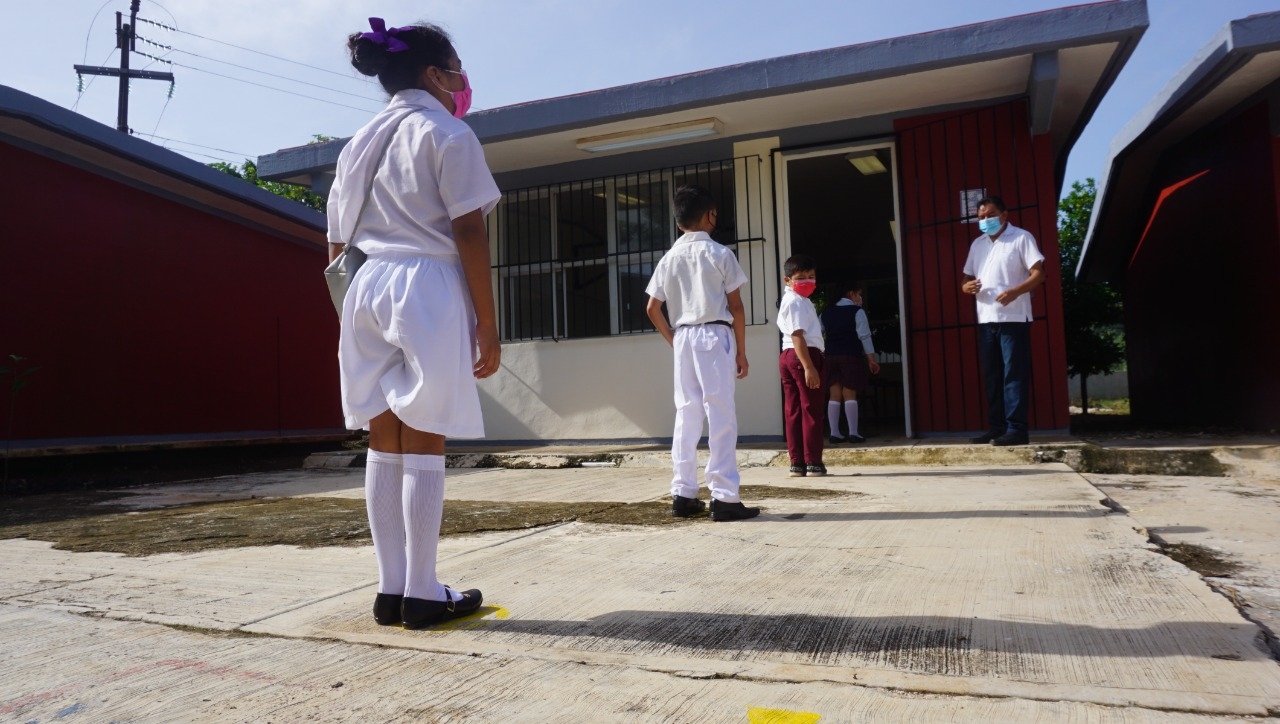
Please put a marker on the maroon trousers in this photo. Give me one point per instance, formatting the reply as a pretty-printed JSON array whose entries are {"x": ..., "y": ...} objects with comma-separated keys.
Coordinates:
[{"x": 802, "y": 408}]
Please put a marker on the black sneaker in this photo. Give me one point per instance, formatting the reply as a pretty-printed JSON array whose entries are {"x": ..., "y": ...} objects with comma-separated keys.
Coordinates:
[
  {"x": 816, "y": 470},
  {"x": 833, "y": 440},
  {"x": 682, "y": 507},
  {"x": 797, "y": 471},
  {"x": 857, "y": 439},
  {"x": 722, "y": 511},
  {"x": 986, "y": 437},
  {"x": 1010, "y": 439}
]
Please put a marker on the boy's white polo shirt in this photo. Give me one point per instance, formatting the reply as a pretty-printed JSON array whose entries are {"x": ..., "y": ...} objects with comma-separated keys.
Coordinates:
[
  {"x": 797, "y": 313},
  {"x": 694, "y": 278},
  {"x": 1001, "y": 265}
]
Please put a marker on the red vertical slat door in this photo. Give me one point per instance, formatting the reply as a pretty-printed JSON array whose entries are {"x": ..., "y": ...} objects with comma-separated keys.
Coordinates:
[{"x": 987, "y": 150}]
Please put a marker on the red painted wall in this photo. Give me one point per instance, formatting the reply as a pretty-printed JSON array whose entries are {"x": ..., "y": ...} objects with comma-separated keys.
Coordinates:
[
  {"x": 1202, "y": 306},
  {"x": 940, "y": 156},
  {"x": 147, "y": 317}
]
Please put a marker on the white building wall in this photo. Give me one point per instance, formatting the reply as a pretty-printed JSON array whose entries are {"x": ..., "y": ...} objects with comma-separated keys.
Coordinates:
[{"x": 621, "y": 387}]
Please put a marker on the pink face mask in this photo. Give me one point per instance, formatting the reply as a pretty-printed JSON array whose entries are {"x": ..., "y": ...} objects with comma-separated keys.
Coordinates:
[
  {"x": 804, "y": 287},
  {"x": 462, "y": 98}
]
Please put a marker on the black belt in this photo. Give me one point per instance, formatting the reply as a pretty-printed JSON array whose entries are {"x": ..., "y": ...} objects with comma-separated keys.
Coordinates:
[{"x": 720, "y": 322}]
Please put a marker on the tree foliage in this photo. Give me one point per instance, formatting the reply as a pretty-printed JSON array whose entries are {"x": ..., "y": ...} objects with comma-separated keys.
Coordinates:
[
  {"x": 1093, "y": 313},
  {"x": 248, "y": 171}
]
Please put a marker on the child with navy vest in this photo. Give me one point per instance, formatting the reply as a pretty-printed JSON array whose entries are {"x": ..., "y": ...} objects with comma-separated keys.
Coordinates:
[{"x": 851, "y": 359}]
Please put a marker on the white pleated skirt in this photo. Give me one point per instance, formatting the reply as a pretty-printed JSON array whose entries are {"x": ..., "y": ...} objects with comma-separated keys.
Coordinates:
[{"x": 408, "y": 345}]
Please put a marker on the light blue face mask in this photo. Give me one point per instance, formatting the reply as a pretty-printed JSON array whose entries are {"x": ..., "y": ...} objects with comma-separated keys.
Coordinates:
[{"x": 990, "y": 225}]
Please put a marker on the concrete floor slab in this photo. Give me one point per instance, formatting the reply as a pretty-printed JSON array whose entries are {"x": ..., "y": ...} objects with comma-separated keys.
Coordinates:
[
  {"x": 62, "y": 666},
  {"x": 1013, "y": 584}
]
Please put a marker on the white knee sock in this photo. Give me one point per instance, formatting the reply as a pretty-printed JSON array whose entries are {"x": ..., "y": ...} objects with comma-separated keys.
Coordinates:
[
  {"x": 833, "y": 417},
  {"x": 423, "y": 507},
  {"x": 851, "y": 412},
  {"x": 383, "y": 479}
]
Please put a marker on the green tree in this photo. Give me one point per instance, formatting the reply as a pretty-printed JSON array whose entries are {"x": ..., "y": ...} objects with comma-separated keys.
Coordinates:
[
  {"x": 248, "y": 171},
  {"x": 1093, "y": 313}
]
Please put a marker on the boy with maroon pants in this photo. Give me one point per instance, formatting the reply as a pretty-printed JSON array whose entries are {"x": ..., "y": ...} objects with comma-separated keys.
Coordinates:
[{"x": 801, "y": 366}]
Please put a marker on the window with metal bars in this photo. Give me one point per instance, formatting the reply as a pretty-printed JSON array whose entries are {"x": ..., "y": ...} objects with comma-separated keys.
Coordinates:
[{"x": 573, "y": 259}]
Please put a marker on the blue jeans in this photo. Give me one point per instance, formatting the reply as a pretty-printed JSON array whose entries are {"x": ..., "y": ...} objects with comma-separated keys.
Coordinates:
[{"x": 1005, "y": 348}]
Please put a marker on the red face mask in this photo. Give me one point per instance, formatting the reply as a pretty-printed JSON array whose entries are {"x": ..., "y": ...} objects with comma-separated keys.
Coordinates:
[{"x": 804, "y": 287}]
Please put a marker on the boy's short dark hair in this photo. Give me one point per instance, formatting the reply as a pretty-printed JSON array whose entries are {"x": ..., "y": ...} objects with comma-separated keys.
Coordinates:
[
  {"x": 798, "y": 263},
  {"x": 995, "y": 201},
  {"x": 850, "y": 287},
  {"x": 692, "y": 203}
]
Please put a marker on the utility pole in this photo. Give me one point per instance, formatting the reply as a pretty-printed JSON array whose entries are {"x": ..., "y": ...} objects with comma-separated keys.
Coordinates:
[{"x": 126, "y": 39}]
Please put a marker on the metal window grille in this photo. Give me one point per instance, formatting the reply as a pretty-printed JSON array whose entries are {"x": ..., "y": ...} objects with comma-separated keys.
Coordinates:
[{"x": 573, "y": 259}]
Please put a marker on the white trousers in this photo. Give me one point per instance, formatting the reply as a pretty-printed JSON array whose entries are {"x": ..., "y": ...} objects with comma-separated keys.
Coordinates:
[{"x": 705, "y": 375}]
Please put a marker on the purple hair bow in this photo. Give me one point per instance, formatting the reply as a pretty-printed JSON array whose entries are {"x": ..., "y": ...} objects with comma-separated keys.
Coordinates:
[{"x": 382, "y": 36}]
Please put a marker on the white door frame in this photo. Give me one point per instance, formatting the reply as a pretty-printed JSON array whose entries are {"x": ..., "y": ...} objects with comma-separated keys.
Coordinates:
[{"x": 784, "y": 235}]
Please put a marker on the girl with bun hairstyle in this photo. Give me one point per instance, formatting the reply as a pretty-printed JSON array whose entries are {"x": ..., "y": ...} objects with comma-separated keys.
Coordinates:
[{"x": 418, "y": 326}]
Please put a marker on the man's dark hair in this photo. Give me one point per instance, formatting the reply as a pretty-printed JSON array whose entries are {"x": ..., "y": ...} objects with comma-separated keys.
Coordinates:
[
  {"x": 798, "y": 263},
  {"x": 692, "y": 202},
  {"x": 428, "y": 45},
  {"x": 995, "y": 201}
]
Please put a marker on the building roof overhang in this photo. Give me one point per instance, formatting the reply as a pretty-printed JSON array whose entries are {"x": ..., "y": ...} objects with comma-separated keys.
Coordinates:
[
  {"x": 1239, "y": 63},
  {"x": 1062, "y": 60},
  {"x": 55, "y": 132}
]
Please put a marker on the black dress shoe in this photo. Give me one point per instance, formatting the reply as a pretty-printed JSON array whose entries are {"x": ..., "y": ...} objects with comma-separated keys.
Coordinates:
[
  {"x": 419, "y": 613},
  {"x": 833, "y": 440},
  {"x": 722, "y": 511},
  {"x": 857, "y": 438},
  {"x": 386, "y": 609},
  {"x": 986, "y": 437},
  {"x": 1010, "y": 439},
  {"x": 682, "y": 507}
]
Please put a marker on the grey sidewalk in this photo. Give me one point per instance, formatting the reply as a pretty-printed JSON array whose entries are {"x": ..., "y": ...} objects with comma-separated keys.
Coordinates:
[{"x": 978, "y": 592}]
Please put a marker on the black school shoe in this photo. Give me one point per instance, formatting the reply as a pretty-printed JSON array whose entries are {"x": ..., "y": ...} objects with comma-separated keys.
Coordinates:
[
  {"x": 386, "y": 609},
  {"x": 833, "y": 440},
  {"x": 816, "y": 470},
  {"x": 797, "y": 471},
  {"x": 722, "y": 511},
  {"x": 418, "y": 613},
  {"x": 985, "y": 437},
  {"x": 857, "y": 439},
  {"x": 682, "y": 507},
  {"x": 1010, "y": 439}
]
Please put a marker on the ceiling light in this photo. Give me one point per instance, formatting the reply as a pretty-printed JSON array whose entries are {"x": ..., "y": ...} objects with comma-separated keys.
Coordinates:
[
  {"x": 867, "y": 162},
  {"x": 651, "y": 136}
]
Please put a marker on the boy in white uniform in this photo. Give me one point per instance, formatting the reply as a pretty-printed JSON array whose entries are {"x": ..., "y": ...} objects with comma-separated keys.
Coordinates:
[{"x": 700, "y": 282}]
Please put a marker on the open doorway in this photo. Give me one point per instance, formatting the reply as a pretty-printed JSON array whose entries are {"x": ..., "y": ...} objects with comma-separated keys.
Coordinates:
[{"x": 841, "y": 209}]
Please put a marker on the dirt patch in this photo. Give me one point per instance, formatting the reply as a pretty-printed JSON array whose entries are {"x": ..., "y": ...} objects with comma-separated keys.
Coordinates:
[
  {"x": 1121, "y": 461},
  {"x": 1200, "y": 559},
  {"x": 780, "y": 492}
]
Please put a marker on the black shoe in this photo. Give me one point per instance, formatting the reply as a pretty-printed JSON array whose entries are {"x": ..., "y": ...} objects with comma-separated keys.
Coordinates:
[
  {"x": 419, "y": 613},
  {"x": 1010, "y": 439},
  {"x": 816, "y": 470},
  {"x": 721, "y": 511},
  {"x": 857, "y": 439},
  {"x": 797, "y": 471},
  {"x": 833, "y": 440},
  {"x": 386, "y": 609},
  {"x": 682, "y": 507},
  {"x": 986, "y": 437}
]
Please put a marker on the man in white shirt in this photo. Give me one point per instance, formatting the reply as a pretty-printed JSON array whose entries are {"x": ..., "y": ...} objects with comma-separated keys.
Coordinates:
[
  {"x": 700, "y": 281},
  {"x": 1004, "y": 266}
]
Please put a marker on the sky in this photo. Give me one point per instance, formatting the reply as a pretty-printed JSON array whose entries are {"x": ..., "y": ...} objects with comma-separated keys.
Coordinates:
[{"x": 513, "y": 51}]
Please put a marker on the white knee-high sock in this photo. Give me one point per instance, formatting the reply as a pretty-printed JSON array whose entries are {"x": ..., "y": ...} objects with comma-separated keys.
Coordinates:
[
  {"x": 383, "y": 480},
  {"x": 833, "y": 417},
  {"x": 423, "y": 508},
  {"x": 851, "y": 412}
]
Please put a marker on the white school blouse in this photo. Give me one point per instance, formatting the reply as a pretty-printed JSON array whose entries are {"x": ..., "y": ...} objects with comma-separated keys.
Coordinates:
[
  {"x": 433, "y": 173},
  {"x": 1003, "y": 264},
  {"x": 797, "y": 313}
]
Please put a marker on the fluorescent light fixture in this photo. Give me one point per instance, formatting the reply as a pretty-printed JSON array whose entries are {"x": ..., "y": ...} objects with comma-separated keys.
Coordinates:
[
  {"x": 867, "y": 162},
  {"x": 652, "y": 136}
]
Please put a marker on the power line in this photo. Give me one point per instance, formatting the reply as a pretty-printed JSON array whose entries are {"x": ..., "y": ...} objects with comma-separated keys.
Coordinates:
[
  {"x": 245, "y": 67},
  {"x": 190, "y": 143},
  {"x": 268, "y": 87},
  {"x": 241, "y": 47}
]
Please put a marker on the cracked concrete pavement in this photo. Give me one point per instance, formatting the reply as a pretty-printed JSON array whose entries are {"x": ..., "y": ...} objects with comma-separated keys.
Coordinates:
[{"x": 944, "y": 593}]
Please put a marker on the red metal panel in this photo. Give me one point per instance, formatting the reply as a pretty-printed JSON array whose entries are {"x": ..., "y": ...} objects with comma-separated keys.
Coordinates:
[
  {"x": 148, "y": 317},
  {"x": 942, "y": 155}
]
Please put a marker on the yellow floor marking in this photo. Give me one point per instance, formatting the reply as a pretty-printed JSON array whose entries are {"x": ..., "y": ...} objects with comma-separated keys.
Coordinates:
[
  {"x": 473, "y": 621},
  {"x": 780, "y": 716}
]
